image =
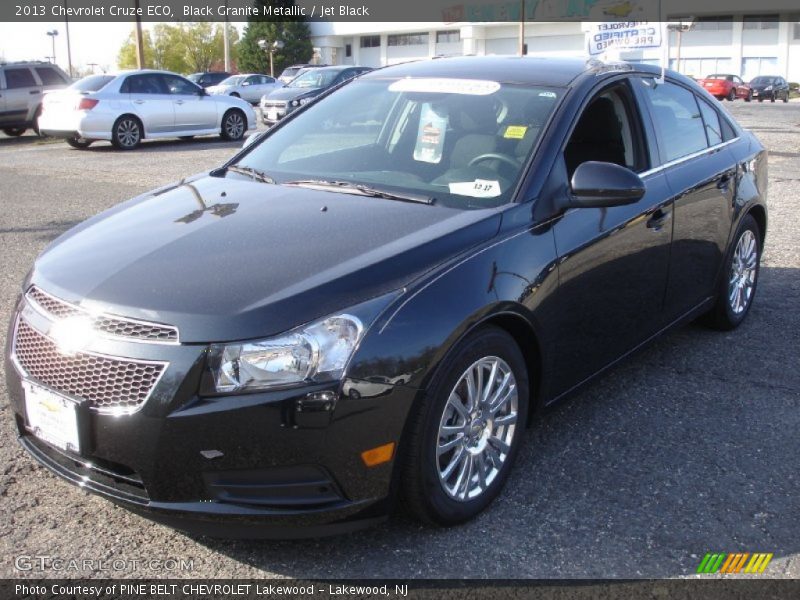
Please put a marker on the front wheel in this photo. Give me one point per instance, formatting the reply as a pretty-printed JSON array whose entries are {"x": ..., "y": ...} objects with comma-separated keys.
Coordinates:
[
  {"x": 464, "y": 438},
  {"x": 233, "y": 126},
  {"x": 786, "y": 98},
  {"x": 738, "y": 284},
  {"x": 732, "y": 95},
  {"x": 126, "y": 133},
  {"x": 14, "y": 131},
  {"x": 749, "y": 96}
]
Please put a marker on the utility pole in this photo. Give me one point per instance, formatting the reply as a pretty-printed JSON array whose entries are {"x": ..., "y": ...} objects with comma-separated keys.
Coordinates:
[
  {"x": 522, "y": 28},
  {"x": 226, "y": 42},
  {"x": 53, "y": 33},
  {"x": 139, "y": 43},
  {"x": 69, "y": 50}
]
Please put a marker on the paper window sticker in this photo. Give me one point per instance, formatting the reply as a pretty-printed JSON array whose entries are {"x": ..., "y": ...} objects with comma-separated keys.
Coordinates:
[
  {"x": 479, "y": 188},
  {"x": 430, "y": 135},
  {"x": 515, "y": 132}
]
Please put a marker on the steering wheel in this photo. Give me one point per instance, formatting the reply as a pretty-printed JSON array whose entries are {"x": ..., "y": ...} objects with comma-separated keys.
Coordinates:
[{"x": 509, "y": 160}]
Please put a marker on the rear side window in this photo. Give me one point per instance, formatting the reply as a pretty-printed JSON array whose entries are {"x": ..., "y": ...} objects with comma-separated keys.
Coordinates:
[
  {"x": 711, "y": 122},
  {"x": 93, "y": 83},
  {"x": 50, "y": 76},
  {"x": 19, "y": 78},
  {"x": 143, "y": 84},
  {"x": 677, "y": 119}
]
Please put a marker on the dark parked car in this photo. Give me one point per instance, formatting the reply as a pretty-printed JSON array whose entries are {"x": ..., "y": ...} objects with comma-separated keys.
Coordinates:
[
  {"x": 769, "y": 87},
  {"x": 377, "y": 295},
  {"x": 303, "y": 89},
  {"x": 205, "y": 80},
  {"x": 290, "y": 73}
]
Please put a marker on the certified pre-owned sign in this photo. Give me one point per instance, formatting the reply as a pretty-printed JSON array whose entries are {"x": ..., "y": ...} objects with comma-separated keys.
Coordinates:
[{"x": 622, "y": 35}]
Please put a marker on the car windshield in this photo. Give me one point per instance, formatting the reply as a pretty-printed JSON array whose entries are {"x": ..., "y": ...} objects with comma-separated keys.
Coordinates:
[
  {"x": 92, "y": 83},
  {"x": 290, "y": 72},
  {"x": 456, "y": 142},
  {"x": 763, "y": 80},
  {"x": 233, "y": 80},
  {"x": 314, "y": 78}
]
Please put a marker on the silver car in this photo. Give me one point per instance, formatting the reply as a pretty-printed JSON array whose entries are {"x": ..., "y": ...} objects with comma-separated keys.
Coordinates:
[
  {"x": 248, "y": 87},
  {"x": 129, "y": 106}
]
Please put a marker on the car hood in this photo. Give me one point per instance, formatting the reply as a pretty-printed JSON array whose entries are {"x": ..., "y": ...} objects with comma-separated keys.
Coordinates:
[
  {"x": 228, "y": 259},
  {"x": 287, "y": 93},
  {"x": 761, "y": 86}
]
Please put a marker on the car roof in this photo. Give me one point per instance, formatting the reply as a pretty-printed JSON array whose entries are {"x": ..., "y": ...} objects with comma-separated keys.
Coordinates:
[
  {"x": 337, "y": 68},
  {"x": 550, "y": 71}
]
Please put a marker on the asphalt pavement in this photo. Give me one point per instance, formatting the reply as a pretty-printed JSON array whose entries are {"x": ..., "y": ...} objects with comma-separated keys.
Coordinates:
[{"x": 689, "y": 447}]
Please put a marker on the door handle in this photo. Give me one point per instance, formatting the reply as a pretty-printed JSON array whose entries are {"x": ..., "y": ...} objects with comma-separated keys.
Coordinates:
[
  {"x": 658, "y": 219},
  {"x": 178, "y": 101},
  {"x": 138, "y": 101},
  {"x": 34, "y": 92}
]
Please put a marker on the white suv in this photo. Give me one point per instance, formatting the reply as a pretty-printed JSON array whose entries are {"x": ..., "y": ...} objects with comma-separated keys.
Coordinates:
[{"x": 22, "y": 85}]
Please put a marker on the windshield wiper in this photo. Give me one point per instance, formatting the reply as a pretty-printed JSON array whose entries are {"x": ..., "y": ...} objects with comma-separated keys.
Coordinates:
[
  {"x": 254, "y": 174},
  {"x": 348, "y": 187}
]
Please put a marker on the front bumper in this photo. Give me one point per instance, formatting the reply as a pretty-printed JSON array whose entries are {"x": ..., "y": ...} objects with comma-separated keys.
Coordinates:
[{"x": 273, "y": 464}]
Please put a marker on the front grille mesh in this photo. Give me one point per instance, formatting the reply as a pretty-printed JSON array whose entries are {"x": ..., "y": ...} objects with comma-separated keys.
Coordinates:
[
  {"x": 118, "y": 327},
  {"x": 106, "y": 382}
]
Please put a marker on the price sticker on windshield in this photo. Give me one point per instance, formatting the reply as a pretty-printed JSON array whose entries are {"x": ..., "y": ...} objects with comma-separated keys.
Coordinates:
[{"x": 479, "y": 188}]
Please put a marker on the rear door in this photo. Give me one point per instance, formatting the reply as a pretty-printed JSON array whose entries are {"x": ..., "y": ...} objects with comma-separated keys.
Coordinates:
[
  {"x": 693, "y": 139},
  {"x": 613, "y": 262},
  {"x": 22, "y": 95},
  {"x": 151, "y": 101},
  {"x": 193, "y": 111}
]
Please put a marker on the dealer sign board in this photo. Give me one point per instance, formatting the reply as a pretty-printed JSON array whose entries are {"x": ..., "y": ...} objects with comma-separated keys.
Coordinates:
[{"x": 622, "y": 35}]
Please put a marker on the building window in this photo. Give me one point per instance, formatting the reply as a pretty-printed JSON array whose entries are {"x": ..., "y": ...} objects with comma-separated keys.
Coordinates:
[
  {"x": 448, "y": 37},
  {"x": 408, "y": 39},
  {"x": 760, "y": 22},
  {"x": 713, "y": 23},
  {"x": 348, "y": 50},
  {"x": 797, "y": 31},
  {"x": 753, "y": 66},
  {"x": 370, "y": 41}
]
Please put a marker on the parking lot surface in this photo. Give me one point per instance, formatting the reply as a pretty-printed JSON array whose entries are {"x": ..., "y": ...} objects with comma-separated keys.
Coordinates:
[{"x": 689, "y": 447}]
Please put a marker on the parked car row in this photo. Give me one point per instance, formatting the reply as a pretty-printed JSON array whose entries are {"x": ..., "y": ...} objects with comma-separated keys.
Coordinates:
[{"x": 729, "y": 87}]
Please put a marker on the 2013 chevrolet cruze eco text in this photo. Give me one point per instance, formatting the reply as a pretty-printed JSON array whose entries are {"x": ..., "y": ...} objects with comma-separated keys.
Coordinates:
[{"x": 371, "y": 300}]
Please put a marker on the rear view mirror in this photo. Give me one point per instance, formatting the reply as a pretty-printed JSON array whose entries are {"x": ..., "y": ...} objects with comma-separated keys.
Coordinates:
[{"x": 600, "y": 184}]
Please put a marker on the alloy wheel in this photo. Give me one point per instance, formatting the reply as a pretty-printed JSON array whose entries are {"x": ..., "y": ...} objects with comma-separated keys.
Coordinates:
[
  {"x": 477, "y": 428},
  {"x": 743, "y": 272},
  {"x": 234, "y": 126},
  {"x": 128, "y": 133}
]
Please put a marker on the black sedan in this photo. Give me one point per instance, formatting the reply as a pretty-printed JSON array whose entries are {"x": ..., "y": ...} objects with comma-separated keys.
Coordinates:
[
  {"x": 770, "y": 87},
  {"x": 373, "y": 300}
]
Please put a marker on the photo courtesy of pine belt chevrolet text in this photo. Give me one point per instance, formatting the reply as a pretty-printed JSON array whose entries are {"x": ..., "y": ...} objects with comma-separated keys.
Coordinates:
[{"x": 371, "y": 301}]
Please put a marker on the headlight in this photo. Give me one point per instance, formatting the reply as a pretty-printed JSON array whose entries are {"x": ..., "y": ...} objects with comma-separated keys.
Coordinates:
[
  {"x": 314, "y": 353},
  {"x": 305, "y": 101}
]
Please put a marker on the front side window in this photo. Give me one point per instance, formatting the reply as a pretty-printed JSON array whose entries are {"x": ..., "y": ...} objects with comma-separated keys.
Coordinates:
[
  {"x": 461, "y": 143},
  {"x": 180, "y": 86},
  {"x": 677, "y": 119},
  {"x": 19, "y": 78}
]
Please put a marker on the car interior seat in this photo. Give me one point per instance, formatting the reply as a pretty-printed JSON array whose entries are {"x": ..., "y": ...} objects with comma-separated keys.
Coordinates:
[{"x": 597, "y": 137}]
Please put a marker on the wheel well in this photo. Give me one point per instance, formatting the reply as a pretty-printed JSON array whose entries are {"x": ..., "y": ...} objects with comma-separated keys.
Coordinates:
[
  {"x": 522, "y": 332},
  {"x": 760, "y": 215},
  {"x": 132, "y": 116}
]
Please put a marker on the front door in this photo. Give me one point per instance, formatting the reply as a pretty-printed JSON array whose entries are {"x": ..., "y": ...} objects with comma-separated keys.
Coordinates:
[
  {"x": 151, "y": 102},
  {"x": 193, "y": 111},
  {"x": 613, "y": 262}
]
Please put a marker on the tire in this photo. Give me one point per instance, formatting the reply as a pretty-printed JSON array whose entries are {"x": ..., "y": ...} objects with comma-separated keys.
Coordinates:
[
  {"x": 761, "y": 98},
  {"x": 35, "y": 125},
  {"x": 732, "y": 95},
  {"x": 79, "y": 143},
  {"x": 234, "y": 125},
  {"x": 772, "y": 97},
  {"x": 737, "y": 287},
  {"x": 430, "y": 477},
  {"x": 14, "y": 131},
  {"x": 786, "y": 98},
  {"x": 749, "y": 96},
  {"x": 126, "y": 134}
]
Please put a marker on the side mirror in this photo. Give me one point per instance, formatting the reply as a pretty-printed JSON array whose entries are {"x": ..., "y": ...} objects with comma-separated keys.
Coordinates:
[
  {"x": 602, "y": 184},
  {"x": 245, "y": 83},
  {"x": 202, "y": 92}
]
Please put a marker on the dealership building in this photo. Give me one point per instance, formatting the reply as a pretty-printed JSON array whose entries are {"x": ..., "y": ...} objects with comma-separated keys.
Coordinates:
[{"x": 745, "y": 44}]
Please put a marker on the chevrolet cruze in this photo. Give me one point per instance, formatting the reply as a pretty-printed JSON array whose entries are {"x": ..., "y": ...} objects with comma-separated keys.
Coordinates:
[{"x": 372, "y": 300}]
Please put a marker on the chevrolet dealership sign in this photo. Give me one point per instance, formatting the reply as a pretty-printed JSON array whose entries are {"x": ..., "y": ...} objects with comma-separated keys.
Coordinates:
[{"x": 622, "y": 35}]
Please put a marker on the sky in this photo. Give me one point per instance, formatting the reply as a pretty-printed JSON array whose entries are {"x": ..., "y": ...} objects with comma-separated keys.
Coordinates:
[{"x": 90, "y": 42}]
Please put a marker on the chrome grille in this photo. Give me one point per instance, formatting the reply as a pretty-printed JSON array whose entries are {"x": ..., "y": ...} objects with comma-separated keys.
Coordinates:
[
  {"x": 273, "y": 104},
  {"x": 108, "y": 383},
  {"x": 118, "y": 327}
]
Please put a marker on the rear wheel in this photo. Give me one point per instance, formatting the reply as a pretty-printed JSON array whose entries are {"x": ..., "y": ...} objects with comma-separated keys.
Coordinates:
[
  {"x": 732, "y": 95},
  {"x": 14, "y": 131},
  {"x": 465, "y": 437},
  {"x": 737, "y": 287},
  {"x": 126, "y": 133},
  {"x": 233, "y": 126},
  {"x": 79, "y": 142}
]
